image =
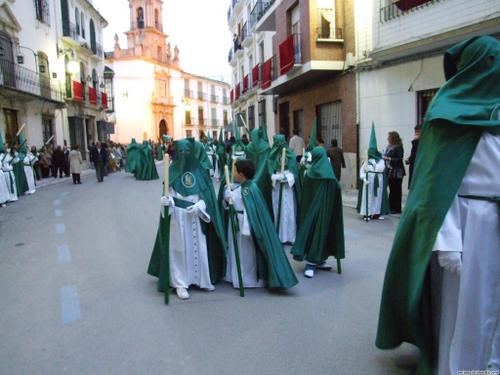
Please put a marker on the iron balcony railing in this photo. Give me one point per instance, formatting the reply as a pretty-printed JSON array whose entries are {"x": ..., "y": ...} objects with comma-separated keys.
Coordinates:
[
  {"x": 97, "y": 50},
  {"x": 18, "y": 78},
  {"x": 214, "y": 98},
  {"x": 329, "y": 33},
  {"x": 259, "y": 10},
  {"x": 247, "y": 30},
  {"x": 70, "y": 29},
  {"x": 188, "y": 93},
  {"x": 202, "y": 95}
]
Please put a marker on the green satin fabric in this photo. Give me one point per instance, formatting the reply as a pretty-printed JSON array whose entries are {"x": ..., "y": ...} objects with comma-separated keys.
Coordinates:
[
  {"x": 132, "y": 156},
  {"x": 272, "y": 262},
  {"x": 461, "y": 111},
  {"x": 145, "y": 166}
]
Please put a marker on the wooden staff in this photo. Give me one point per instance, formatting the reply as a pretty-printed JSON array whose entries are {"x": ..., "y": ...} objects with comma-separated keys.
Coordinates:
[
  {"x": 366, "y": 189},
  {"x": 13, "y": 141},
  {"x": 283, "y": 162},
  {"x": 166, "y": 245},
  {"x": 235, "y": 233}
]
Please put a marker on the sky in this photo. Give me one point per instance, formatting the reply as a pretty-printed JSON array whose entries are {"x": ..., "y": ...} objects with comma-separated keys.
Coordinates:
[{"x": 198, "y": 27}]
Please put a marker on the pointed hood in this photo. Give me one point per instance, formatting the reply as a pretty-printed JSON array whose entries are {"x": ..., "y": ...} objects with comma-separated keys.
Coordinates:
[
  {"x": 2, "y": 148},
  {"x": 373, "y": 152},
  {"x": 312, "y": 138}
]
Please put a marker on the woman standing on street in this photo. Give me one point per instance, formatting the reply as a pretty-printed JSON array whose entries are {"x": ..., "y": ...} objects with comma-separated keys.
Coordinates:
[
  {"x": 394, "y": 154},
  {"x": 75, "y": 164}
]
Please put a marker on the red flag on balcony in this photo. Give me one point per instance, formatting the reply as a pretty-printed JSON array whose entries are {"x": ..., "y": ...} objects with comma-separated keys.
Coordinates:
[
  {"x": 104, "y": 100},
  {"x": 92, "y": 96},
  {"x": 255, "y": 76},
  {"x": 77, "y": 91},
  {"x": 287, "y": 58},
  {"x": 231, "y": 96},
  {"x": 237, "y": 92},
  {"x": 266, "y": 74},
  {"x": 406, "y": 5},
  {"x": 245, "y": 84}
]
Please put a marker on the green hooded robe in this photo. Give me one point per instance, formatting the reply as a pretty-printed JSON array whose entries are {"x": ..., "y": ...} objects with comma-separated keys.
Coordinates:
[
  {"x": 185, "y": 161},
  {"x": 146, "y": 167},
  {"x": 132, "y": 156},
  {"x": 272, "y": 263},
  {"x": 258, "y": 152},
  {"x": 320, "y": 223},
  {"x": 466, "y": 106}
]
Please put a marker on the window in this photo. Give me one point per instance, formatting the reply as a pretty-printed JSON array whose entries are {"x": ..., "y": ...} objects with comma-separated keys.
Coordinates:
[
  {"x": 424, "y": 99},
  {"x": 82, "y": 23},
  {"x": 201, "y": 120},
  {"x": 251, "y": 117},
  {"x": 326, "y": 19},
  {"x": 42, "y": 10},
  {"x": 298, "y": 121},
  {"x": 77, "y": 21},
  {"x": 189, "y": 133},
  {"x": 224, "y": 118},
  {"x": 330, "y": 122},
  {"x": 140, "y": 18},
  {"x": 214, "y": 116},
  {"x": 262, "y": 112}
]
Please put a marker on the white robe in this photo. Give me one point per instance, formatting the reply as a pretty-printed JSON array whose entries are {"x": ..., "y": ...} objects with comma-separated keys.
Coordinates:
[
  {"x": 188, "y": 244},
  {"x": 4, "y": 192},
  {"x": 9, "y": 177},
  {"x": 288, "y": 218},
  {"x": 246, "y": 247},
  {"x": 374, "y": 202},
  {"x": 470, "y": 327},
  {"x": 28, "y": 161}
]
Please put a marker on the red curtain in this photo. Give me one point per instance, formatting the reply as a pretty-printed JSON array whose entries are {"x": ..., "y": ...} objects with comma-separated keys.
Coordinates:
[
  {"x": 406, "y": 5},
  {"x": 266, "y": 74},
  {"x": 237, "y": 92},
  {"x": 92, "y": 96},
  {"x": 104, "y": 100},
  {"x": 255, "y": 76},
  {"x": 77, "y": 91},
  {"x": 245, "y": 84},
  {"x": 287, "y": 58}
]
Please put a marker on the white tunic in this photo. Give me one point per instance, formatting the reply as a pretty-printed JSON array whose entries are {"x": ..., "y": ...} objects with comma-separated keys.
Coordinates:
[
  {"x": 9, "y": 177},
  {"x": 246, "y": 247},
  {"x": 288, "y": 218},
  {"x": 188, "y": 244},
  {"x": 374, "y": 171},
  {"x": 4, "y": 192},
  {"x": 470, "y": 327},
  {"x": 28, "y": 161}
]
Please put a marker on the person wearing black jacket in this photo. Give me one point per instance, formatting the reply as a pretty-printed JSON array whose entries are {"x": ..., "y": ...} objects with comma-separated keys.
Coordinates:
[
  {"x": 394, "y": 154},
  {"x": 100, "y": 159}
]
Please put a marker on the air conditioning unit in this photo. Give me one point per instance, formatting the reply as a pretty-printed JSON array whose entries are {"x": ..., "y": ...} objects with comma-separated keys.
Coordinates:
[{"x": 349, "y": 60}]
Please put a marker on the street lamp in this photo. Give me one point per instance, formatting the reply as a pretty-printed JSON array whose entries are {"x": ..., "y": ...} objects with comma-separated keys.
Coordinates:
[
  {"x": 73, "y": 67},
  {"x": 20, "y": 58}
]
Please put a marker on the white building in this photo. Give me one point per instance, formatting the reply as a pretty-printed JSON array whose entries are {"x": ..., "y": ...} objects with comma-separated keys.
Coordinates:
[
  {"x": 250, "y": 49},
  {"x": 400, "y": 58},
  {"x": 153, "y": 96},
  {"x": 56, "y": 100}
]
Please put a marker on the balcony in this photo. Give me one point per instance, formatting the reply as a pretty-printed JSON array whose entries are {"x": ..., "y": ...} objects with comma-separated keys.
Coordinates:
[
  {"x": 71, "y": 34},
  {"x": 141, "y": 25},
  {"x": 327, "y": 34},
  {"x": 188, "y": 93},
  {"x": 263, "y": 15},
  {"x": 201, "y": 95},
  {"x": 237, "y": 47},
  {"x": 24, "y": 81},
  {"x": 247, "y": 36},
  {"x": 97, "y": 50},
  {"x": 214, "y": 98}
]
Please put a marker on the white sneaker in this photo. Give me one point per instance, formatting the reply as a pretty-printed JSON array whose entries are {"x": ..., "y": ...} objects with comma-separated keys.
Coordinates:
[
  {"x": 309, "y": 272},
  {"x": 182, "y": 293},
  {"x": 381, "y": 218},
  {"x": 211, "y": 288}
]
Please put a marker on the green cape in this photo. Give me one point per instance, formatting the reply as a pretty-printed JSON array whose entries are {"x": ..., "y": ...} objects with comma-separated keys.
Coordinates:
[
  {"x": 132, "y": 157},
  {"x": 465, "y": 107},
  {"x": 184, "y": 168},
  {"x": 145, "y": 166},
  {"x": 320, "y": 223},
  {"x": 272, "y": 262},
  {"x": 258, "y": 152}
]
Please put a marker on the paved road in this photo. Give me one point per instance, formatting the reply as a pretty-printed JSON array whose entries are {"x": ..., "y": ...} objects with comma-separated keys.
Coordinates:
[{"x": 76, "y": 299}]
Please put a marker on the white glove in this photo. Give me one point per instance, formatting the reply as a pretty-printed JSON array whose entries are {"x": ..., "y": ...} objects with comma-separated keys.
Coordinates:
[
  {"x": 367, "y": 182},
  {"x": 228, "y": 194},
  {"x": 193, "y": 210},
  {"x": 165, "y": 201},
  {"x": 282, "y": 179},
  {"x": 274, "y": 178},
  {"x": 451, "y": 260}
]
